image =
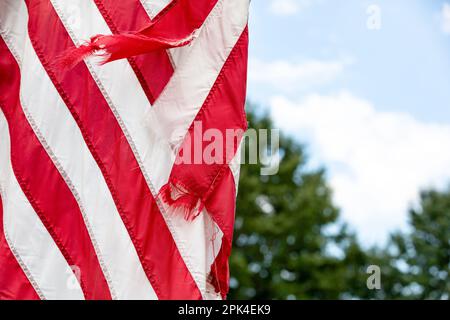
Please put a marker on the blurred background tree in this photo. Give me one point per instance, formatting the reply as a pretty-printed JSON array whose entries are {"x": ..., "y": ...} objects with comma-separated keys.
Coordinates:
[
  {"x": 290, "y": 243},
  {"x": 421, "y": 257}
]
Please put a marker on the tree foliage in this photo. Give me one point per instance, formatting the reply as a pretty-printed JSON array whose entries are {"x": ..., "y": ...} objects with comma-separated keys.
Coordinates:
[
  {"x": 290, "y": 243},
  {"x": 421, "y": 257}
]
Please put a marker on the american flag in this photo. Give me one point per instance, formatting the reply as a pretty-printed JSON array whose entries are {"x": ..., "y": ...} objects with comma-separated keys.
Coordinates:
[{"x": 94, "y": 202}]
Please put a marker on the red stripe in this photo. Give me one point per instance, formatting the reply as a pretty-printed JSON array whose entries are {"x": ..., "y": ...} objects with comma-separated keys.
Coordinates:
[
  {"x": 177, "y": 20},
  {"x": 223, "y": 110},
  {"x": 181, "y": 17},
  {"x": 213, "y": 183},
  {"x": 14, "y": 284},
  {"x": 154, "y": 69},
  {"x": 44, "y": 186},
  {"x": 221, "y": 205},
  {"x": 151, "y": 237}
]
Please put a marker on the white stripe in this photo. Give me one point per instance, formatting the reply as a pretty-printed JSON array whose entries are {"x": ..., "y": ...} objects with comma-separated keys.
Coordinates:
[
  {"x": 43, "y": 104},
  {"x": 198, "y": 69},
  {"x": 154, "y": 7},
  {"x": 200, "y": 241},
  {"x": 28, "y": 237},
  {"x": 185, "y": 94},
  {"x": 235, "y": 165}
]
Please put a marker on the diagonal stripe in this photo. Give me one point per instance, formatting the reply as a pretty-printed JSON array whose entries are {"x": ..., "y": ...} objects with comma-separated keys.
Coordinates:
[
  {"x": 181, "y": 18},
  {"x": 223, "y": 112},
  {"x": 157, "y": 154},
  {"x": 14, "y": 283},
  {"x": 33, "y": 166},
  {"x": 154, "y": 69},
  {"x": 172, "y": 16},
  {"x": 60, "y": 131},
  {"x": 154, "y": 7},
  {"x": 179, "y": 104},
  {"x": 235, "y": 165},
  {"x": 162, "y": 145},
  {"x": 174, "y": 112},
  {"x": 222, "y": 206},
  {"x": 223, "y": 115},
  {"x": 109, "y": 144},
  {"x": 120, "y": 87},
  {"x": 131, "y": 108},
  {"x": 27, "y": 235}
]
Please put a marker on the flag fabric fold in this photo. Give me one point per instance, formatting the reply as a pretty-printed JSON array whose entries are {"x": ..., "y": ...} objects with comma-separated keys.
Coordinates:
[
  {"x": 120, "y": 46},
  {"x": 91, "y": 154}
]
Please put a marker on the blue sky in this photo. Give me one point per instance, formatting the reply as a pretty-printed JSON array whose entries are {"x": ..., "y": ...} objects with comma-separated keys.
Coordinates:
[{"x": 366, "y": 86}]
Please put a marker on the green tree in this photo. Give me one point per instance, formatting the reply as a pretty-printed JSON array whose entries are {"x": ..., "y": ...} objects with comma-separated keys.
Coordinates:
[
  {"x": 288, "y": 242},
  {"x": 420, "y": 258}
]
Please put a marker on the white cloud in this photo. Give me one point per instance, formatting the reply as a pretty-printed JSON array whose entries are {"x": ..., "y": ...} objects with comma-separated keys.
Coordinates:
[
  {"x": 445, "y": 16},
  {"x": 289, "y": 7},
  {"x": 288, "y": 76},
  {"x": 284, "y": 7},
  {"x": 377, "y": 161}
]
